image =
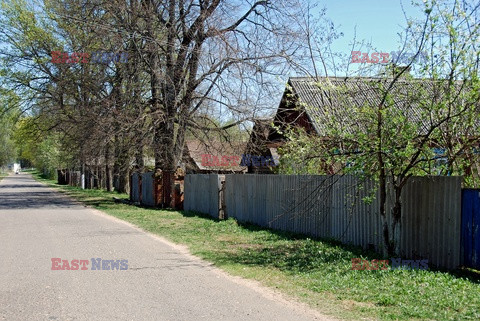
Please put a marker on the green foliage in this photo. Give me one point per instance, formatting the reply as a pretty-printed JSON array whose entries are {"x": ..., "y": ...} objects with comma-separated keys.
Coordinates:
[
  {"x": 301, "y": 154},
  {"x": 40, "y": 148},
  {"x": 7, "y": 147},
  {"x": 407, "y": 135},
  {"x": 46, "y": 157},
  {"x": 9, "y": 112}
]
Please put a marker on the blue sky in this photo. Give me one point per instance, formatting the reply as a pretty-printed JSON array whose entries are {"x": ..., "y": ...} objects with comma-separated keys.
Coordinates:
[{"x": 377, "y": 21}]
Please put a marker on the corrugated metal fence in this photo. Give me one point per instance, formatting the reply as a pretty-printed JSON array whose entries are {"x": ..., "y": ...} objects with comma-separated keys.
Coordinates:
[
  {"x": 470, "y": 238},
  {"x": 203, "y": 192},
  {"x": 333, "y": 207},
  {"x": 148, "y": 196},
  {"x": 135, "y": 188},
  {"x": 146, "y": 189},
  {"x": 319, "y": 206},
  {"x": 142, "y": 188},
  {"x": 431, "y": 219}
]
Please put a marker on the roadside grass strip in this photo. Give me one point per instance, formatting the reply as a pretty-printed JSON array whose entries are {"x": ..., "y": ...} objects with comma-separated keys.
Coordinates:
[{"x": 318, "y": 272}]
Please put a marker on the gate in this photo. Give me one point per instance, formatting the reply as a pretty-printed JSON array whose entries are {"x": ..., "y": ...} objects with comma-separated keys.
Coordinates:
[{"x": 471, "y": 227}]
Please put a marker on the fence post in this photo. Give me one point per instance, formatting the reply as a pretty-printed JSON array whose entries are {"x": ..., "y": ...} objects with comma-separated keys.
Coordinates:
[
  {"x": 140, "y": 192},
  {"x": 167, "y": 188},
  {"x": 131, "y": 189},
  {"x": 221, "y": 200},
  {"x": 157, "y": 189},
  {"x": 82, "y": 177}
]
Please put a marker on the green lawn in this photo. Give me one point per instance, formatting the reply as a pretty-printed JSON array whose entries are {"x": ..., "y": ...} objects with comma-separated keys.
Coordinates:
[{"x": 316, "y": 272}]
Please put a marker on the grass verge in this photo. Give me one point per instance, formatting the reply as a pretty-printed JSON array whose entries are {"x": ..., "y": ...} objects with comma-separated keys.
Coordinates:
[
  {"x": 3, "y": 174},
  {"x": 313, "y": 271}
]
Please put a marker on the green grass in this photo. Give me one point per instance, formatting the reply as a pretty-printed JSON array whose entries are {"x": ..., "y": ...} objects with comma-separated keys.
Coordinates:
[
  {"x": 3, "y": 174},
  {"x": 316, "y": 272}
]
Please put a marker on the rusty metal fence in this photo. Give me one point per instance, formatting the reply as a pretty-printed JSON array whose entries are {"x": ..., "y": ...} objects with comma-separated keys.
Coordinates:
[{"x": 146, "y": 189}]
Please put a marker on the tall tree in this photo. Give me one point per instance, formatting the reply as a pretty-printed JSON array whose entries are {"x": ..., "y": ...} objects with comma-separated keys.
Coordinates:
[
  {"x": 198, "y": 54},
  {"x": 401, "y": 123}
]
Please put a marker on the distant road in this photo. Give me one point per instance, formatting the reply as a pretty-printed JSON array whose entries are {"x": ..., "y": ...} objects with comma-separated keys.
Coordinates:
[{"x": 161, "y": 282}]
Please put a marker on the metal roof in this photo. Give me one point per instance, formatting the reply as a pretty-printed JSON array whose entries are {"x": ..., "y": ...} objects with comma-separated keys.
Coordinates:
[
  {"x": 230, "y": 151},
  {"x": 341, "y": 99}
]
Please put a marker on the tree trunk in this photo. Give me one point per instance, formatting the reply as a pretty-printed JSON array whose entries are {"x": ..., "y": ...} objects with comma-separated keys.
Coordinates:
[
  {"x": 396, "y": 216},
  {"x": 116, "y": 164},
  {"x": 164, "y": 132},
  {"x": 124, "y": 181},
  {"x": 108, "y": 169},
  {"x": 382, "y": 183},
  {"x": 391, "y": 232},
  {"x": 139, "y": 159}
]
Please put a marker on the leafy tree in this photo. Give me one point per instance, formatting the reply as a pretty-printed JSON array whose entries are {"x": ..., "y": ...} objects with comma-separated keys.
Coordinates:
[
  {"x": 397, "y": 132},
  {"x": 300, "y": 154},
  {"x": 7, "y": 146},
  {"x": 186, "y": 59},
  {"x": 9, "y": 112},
  {"x": 38, "y": 147}
]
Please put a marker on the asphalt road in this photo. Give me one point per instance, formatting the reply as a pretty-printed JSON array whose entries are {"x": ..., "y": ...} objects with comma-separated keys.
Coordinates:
[{"x": 162, "y": 281}]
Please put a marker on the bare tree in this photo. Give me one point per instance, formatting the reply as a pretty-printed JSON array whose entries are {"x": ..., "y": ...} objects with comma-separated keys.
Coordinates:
[{"x": 206, "y": 53}]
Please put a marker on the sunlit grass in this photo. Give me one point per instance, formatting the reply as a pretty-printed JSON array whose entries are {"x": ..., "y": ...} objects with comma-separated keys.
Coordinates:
[
  {"x": 3, "y": 174},
  {"x": 316, "y": 272}
]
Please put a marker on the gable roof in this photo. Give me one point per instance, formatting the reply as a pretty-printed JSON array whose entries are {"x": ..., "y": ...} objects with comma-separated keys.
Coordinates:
[{"x": 324, "y": 97}]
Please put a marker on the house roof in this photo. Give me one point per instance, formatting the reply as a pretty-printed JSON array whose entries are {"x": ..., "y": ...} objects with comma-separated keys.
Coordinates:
[
  {"x": 230, "y": 151},
  {"x": 259, "y": 136},
  {"x": 340, "y": 97}
]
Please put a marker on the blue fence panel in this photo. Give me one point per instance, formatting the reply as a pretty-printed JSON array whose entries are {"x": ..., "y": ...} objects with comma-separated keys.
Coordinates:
[{"x": 471, "y": 227}]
